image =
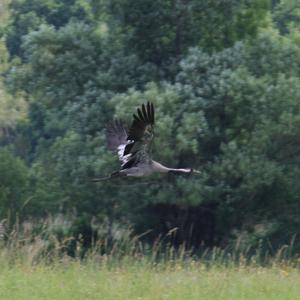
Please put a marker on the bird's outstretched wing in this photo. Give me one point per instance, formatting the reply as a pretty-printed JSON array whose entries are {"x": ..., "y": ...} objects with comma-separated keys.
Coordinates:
[
  {"x": 116, "y": 137},
  {"x": 140, "y": 136},
  {"x": 132, "y": 146},
  {"x": 143, "y": 121}
]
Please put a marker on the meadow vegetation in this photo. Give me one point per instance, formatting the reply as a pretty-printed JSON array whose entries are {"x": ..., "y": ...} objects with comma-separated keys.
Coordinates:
[
  {"x": 76, "y": 280},
  {"x": 224, "y": 77},
  {"x": 32, "y": 267}
]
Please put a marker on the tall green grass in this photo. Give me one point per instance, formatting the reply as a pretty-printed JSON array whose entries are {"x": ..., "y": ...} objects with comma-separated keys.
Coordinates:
[
  {"x": 51, "y": 240},
  {"x": 38, "y": 266},
  {"x": 71, "y": 279}
]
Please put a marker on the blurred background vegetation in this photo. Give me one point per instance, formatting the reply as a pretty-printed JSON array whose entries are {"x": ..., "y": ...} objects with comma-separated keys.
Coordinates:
[{"x": 225, "y": 79}]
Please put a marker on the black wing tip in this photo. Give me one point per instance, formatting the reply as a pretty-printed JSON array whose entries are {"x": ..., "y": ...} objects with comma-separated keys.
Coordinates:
[
  {"x": 143, "y": 117},
  {"x": 150, "y": 109},
  {"x": 145, "y": 113}
]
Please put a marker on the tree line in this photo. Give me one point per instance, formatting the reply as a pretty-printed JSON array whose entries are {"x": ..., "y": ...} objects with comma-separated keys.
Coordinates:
[{"x": 224, "y": 78}]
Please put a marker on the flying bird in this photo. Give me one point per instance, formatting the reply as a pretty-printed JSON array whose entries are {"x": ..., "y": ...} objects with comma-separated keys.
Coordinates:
[{"x": 133, "y": 146}]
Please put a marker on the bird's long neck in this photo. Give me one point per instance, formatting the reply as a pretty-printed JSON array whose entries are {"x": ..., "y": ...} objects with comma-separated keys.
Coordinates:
[
  {"x": 163, "y": 169},
  {"x": 179, "y": 171}
]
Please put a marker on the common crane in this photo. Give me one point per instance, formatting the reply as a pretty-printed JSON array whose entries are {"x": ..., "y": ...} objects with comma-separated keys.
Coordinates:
[{"x": 133, "y": 146}]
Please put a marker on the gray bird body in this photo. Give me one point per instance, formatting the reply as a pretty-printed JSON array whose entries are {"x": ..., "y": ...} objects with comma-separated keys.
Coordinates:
[
  {"x": 145, "y": 169},
  {"x": 133, "y": 146}
]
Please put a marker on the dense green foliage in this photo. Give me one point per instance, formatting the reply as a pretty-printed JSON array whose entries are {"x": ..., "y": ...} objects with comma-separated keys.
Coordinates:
[
  {"x": 224, "y": 78},
  {"x": 13, "y": 185},
  {"x": 160, "y": 32}
]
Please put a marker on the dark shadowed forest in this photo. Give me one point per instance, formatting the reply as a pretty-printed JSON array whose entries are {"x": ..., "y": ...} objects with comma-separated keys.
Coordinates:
[{"x": 224, "y": 77}]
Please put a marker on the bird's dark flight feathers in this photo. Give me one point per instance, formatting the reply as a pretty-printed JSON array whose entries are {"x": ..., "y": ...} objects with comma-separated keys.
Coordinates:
[
  {"x": 143, "y": 118},
  {"x": 132, "y": 147}
]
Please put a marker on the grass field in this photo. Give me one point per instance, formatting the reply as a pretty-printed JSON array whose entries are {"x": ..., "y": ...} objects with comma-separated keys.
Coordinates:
[
  {"x": 139, "y": 280},
  {"x": 33, "y": 267}
]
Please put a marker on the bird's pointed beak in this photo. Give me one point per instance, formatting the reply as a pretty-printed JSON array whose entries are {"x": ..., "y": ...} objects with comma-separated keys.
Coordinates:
[{"x": 193, "y": 171}]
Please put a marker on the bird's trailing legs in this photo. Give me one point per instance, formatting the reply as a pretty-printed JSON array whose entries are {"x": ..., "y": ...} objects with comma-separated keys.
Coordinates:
[{"x": 112, "y": 175}]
